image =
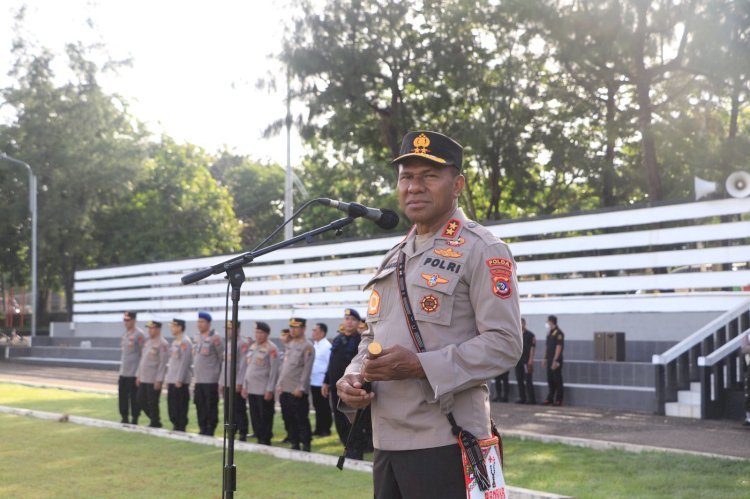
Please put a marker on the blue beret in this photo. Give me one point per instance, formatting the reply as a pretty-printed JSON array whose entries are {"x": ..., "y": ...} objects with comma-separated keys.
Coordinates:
[{"x": 205, "y": 315}]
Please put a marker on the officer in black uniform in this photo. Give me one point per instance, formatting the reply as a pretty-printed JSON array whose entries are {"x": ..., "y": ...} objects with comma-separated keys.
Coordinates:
[
  {"x": 553, "y": 361},
  {"x": 525, "y": 367},
  {"x": 343, "y": 350}
]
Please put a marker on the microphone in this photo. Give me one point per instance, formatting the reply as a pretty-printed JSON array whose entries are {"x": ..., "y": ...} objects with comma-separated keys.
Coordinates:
[{"x": 384, "y": 218}]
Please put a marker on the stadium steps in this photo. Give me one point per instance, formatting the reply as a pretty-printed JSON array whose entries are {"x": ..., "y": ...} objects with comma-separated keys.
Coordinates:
[
  {"x": 688, "y": 403},
  {"x": 69, "y": 352}
]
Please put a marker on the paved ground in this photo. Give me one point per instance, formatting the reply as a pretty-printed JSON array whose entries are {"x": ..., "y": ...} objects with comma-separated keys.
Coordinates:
[{"x": 728, "y": 438}]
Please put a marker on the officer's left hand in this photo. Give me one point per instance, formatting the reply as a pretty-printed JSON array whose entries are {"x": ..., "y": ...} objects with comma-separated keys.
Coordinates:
[
  {"x": 157, "y": 386},
  {"x": 238, "y": 388},
  {"x": 298, "y": 393},
  {"x": 394, "y": 363},
  {"x": 555, "y": 365}
]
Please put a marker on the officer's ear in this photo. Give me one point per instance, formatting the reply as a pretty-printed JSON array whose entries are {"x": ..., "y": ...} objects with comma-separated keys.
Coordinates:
[{"x": 459, "y": 181}]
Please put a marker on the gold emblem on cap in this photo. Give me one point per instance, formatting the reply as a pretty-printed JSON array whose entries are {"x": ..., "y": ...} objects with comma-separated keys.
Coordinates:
[{"x": 421, "y": 142}]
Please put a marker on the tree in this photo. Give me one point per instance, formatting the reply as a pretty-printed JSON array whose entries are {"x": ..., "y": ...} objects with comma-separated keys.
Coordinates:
[
  {"x": 83, "y": 146},
  {"x": 175, "y": 209}
]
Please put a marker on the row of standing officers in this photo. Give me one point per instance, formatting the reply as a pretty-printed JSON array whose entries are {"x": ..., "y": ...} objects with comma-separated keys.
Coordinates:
[{"x": 263, "y": 372}]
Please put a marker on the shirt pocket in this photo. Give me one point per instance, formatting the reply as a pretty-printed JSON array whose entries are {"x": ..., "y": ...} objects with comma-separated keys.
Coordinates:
[{"x": 432, "y": 295}]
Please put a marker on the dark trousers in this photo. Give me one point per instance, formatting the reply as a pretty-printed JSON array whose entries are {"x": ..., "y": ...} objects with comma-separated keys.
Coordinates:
[
  {"x": 361, "y": 440},
  {"x": 422, "y": 473},
  {"x": 554, "y": 383},
  {"x": 126, "y": 393},
  {"x": 148, "y": 399},
  {"x": 342, "y": 422},
  {"x": 323, "y": 416},
  {"x": 299, "y": 418},
  {"x": 525, "y": 384},
  {"x": 178, "y": 402},
  {"x": 207, "y": 406},
  {"x": 240, "y": 412},
  {"x": 261, "y": 415},
  {"x": 502, "y": 387}
]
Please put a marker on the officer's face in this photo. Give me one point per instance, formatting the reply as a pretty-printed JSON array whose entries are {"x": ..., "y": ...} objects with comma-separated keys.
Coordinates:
[
  {"x": 260, "y": 336},
  {"x": 428, "y": 194},
  {"x": 203, "y": 325},
  {"x": 296, "y": 331},
  {"x": 350, "y": 324},
  {"x": 176, "y": 329},
  {"x": 153, "y": 331}
]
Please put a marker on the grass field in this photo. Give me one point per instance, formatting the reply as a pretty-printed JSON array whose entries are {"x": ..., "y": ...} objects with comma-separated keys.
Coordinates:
[{"x": 69, "y": 454}]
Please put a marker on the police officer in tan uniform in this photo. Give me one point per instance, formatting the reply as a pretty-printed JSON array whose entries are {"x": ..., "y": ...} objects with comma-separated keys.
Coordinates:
[
  {"x": 131, "y": 344},
  {"x": 462, "y": 289},
  {"x": 240, "y": 404},
  {"x": 259, "y": 382},
  {"x": 179, "y": 375},
  {"x": 208, "y": 355},
  {"x": 294, "y": 384},
  {"x": 151, "y": 372}
]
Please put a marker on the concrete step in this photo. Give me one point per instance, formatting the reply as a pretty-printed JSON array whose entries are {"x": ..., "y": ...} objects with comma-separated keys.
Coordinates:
[
  {"x": 112, "y": 354},
  {"x": 64, "y": 362},
  {"x": 685, "y": 397},
  {"x": 682, "y": 410},
  {"x": 74, "y": 341},
  {"x": 695, "y": 386}
]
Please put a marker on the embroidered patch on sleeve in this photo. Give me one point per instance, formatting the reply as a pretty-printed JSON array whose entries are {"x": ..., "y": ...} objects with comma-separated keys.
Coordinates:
[
  {"x": 501, "y": 272},
  {"x": 374, "y": 305}
]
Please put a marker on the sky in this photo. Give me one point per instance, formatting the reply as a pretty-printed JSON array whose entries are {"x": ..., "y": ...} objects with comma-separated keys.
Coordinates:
[{"x": 195, "y": 64}]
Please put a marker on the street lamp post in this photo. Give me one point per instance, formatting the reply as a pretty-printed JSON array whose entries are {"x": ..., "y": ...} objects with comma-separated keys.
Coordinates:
[{"x": 32, "y": 208}]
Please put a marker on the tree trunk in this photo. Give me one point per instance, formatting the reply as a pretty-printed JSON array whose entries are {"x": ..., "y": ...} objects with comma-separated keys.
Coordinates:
[{"x": 608, "y": 170}]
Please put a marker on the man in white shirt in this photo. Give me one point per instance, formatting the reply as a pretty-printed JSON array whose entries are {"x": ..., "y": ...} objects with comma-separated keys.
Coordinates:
[{"x": 323, "y": 414}]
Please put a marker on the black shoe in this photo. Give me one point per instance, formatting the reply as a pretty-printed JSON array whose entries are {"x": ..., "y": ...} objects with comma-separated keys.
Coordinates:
[
  {"x": 295, "y": 447},
  {"x": 532, "y": 402},
  {"x": 558, "y": 403},
  {"x": 123, "y": 421},
  {"x": 253, "y": 436},
  {"x": 286, "y": 441},
  {"x": 746, "y": 423},
  {"x": 154, "y": 425},
  {"x": 547, "y": 402},
  {"x": 135, "y": 421},
  {"x": 306, "y": 448},
  {"x": 520, "y": 401},
  {"x": 243, "y": 438}
]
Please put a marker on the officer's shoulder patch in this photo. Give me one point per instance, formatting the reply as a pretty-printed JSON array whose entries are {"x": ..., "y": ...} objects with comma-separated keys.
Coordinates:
[{"x": 483, "y": 233}]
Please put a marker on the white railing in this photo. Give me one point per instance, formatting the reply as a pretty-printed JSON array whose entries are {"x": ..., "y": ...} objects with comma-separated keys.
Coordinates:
[{"x": 613, "y": 261}]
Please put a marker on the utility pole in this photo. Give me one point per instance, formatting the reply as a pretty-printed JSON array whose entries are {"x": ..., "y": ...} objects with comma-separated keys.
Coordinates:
[{"x": 32, "y": 209}]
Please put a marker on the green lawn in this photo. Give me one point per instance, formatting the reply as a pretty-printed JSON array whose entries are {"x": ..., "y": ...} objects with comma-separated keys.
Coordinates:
[
  {"x": 50, "y": 459},
  {"x": 549, "y": 467}
]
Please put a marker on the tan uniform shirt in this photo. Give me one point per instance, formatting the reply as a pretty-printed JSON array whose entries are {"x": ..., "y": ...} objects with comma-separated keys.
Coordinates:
[
  {"x": 154, "y": 358},
  {"x": 131, "y": 344},
  {"x": 180, "y": 360},
  {"x": 242, "y": 345},
  {"x": 297, "y": 366},
  {"x": 208, "y": 355},
  {"x": 261, "y": 368},
  {"x": 463, "y": 291}
]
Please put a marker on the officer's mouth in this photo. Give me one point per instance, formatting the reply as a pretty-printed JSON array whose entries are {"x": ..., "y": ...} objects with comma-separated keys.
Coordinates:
[{"x": 416, "y": 204}]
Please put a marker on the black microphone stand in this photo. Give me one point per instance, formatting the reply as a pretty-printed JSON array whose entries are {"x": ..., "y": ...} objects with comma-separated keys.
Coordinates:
[{"x": 236, "y": 276}]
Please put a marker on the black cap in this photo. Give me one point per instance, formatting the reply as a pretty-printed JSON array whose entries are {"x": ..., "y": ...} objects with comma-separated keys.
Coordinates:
[
  {"x": 179, "y": 322},
  {"x": 130, "y": 315},
  {"x": 284, "y": 331},
  {"x": 352, "y": 312},
  {"x": 435, "y": 147},
  {"x": 297, "y": 322},
  {"x": 552, "y": 319},
  {"x": 153, "y": 324},
  {"x": 262, "y": 326}
]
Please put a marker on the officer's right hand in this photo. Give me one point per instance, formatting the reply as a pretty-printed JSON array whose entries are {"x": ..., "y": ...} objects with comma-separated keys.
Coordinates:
[
  {"x": 324, "y": 390},
  {"x": 268, "y": 396},
  {"x": 350, "y": 391},
  {"x": 138, "y": 381},
  {"x": 244, "y": 393}
]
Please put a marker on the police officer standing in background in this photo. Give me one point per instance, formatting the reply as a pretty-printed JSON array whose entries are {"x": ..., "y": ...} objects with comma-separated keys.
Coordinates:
[
  {"x": 240, "y": 405},
  {"x": 323, "y": 415},
  {"x": 208, "y": 355},
  {"x": 151, "y": 372},
  {"x": 131, "y": 344},
  {"x": 259, "y": 382},
  {"x": 345, "y": 347},
  {"x": 179, "y": 375},
  {"x": 525, "y": 367},
  {"x": 460, "y": 297},
  {"x": 294, "y": 384},
  {"x": 553, "y": 361}
]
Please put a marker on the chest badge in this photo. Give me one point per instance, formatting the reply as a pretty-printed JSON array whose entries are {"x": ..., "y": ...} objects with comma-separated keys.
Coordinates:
[
  {"x": 434, "y": 279},
  {"x": 429, "y": 303},
  {"x": 448, "y": 253}
]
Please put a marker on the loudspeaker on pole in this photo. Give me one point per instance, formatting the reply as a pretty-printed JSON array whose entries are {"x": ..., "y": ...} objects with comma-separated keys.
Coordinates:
[
  {"x": 703, "y": 187},
  {"x": 738, "y": 184}
]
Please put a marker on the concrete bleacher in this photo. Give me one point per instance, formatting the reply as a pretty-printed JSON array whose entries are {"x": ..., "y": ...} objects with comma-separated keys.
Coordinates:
[{"x": 658, "y": 274}]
